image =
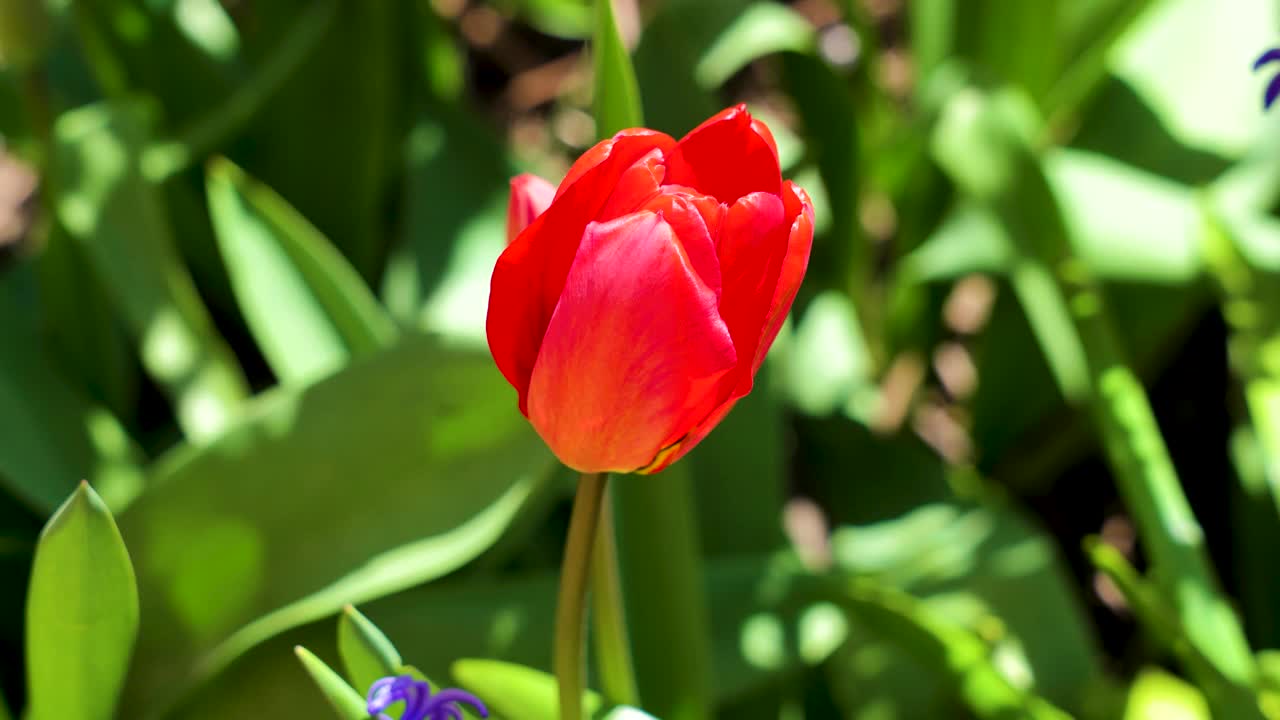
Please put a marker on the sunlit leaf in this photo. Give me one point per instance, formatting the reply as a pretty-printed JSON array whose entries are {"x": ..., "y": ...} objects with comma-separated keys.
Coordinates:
[
  {"x": 82, "y": 613},
  {"x": 395, "y": 471},
  {"x": 308, "y": 309}
]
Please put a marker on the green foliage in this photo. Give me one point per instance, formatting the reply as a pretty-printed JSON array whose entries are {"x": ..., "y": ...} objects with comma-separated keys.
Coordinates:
[{"x": 247, "y": 306}]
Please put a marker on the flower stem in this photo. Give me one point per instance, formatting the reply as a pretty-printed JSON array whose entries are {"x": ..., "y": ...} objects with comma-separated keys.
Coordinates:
[
  {"x": 571, "y": 606},
  {"x": 608, "y": 615}
]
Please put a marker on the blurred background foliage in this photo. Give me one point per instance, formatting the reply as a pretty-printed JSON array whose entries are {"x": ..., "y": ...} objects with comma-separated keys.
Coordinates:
[{"x": 244, "y": 257}]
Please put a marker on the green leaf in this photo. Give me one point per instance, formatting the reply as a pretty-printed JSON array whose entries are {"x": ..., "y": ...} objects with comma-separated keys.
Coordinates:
[
  {"x": 1210, "y": 100},
  {"x": 4, "y": 710},
  {"x": 347, "y": 702},
  {"x": 1157, "y": 695},
  {"x": 399, "y": 469},
  {"x": 515, "y": 691},
  {"x": 658, "y": 548},
  {"x": 762, "y": 29},
  {"x": 50, "y": 435},
  {"x": 120, "y": 221},
  {"x": 367, "y": 654},
  {"x": 362, "y": 57},
  {"x": 309, "y": 311},
  {"x": 82, "y": 613},
  {"x": 617, "y": 97},
  {"x": 947, "y": 648}
]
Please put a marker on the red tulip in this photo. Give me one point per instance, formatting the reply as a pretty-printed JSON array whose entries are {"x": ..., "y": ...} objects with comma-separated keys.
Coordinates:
[{"x": 634, "y": 312}]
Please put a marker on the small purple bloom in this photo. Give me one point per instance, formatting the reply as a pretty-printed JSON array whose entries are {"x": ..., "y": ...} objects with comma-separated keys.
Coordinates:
[
  {"x": 1273, "y": 88},
  {"x": 419, "y": 703}
]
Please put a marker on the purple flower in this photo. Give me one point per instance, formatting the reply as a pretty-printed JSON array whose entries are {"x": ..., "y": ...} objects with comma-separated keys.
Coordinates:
[
  {"x": 1273, "y": 88},
  {"x": 419, "y": 703}
]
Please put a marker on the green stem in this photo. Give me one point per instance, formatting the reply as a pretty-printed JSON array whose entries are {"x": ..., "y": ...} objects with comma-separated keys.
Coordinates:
[
  {"x": 608, "y": 616},
  {"x": 571, "y": 606}
]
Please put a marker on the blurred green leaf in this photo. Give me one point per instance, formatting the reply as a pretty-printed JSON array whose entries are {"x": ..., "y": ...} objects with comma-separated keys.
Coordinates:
[
  {"x": 1209, "y": 99},
  {"x": 455, "y": 195},
  {"x": 50, "y": 435},
  {"x": 395, "y": 471},
  {"x": 749, "y": 443},
  {"x": 658, "y": 548},
  {"x": 963, "y": 656},
  {"x": 165, "y": 159},
  {"x": 82, "y": 613},
  {"x": 674, "y": 40},
  {"x": 617, "y": 99},
  {"x": 4, "y": 710},
  {"x": 347, "y": 702},
  {"x": 132, "y": 47},
  {"x": 310, "y": 312},
  {"x": 762, "y": 29},
  {"x": 987, "y": 569},
  {"x": 515, "y": 691},
  {"x": 841, "y": 256},
  {"x": 367, "y": 654},
  {"x": 120, "y": 222},
  {"x": 1157, "y": 695},
  {"x": 346, "y": 110}
]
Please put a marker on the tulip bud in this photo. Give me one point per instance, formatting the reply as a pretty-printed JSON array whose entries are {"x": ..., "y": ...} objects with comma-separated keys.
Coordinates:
[
  {"x": 635, "y": 310},
  {"x": 530, "y": 196}
]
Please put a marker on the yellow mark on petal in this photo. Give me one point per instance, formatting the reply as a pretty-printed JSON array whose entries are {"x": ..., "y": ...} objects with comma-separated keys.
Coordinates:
[{"x": 661, "y": 457}]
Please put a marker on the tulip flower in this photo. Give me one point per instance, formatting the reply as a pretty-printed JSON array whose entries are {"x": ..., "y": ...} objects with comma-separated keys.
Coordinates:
[{"x": 634, "y": 312}]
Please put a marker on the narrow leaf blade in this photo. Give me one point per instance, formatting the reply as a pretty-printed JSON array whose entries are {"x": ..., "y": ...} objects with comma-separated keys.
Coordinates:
[
  {"x": 617, "y": 96},
  {"x": 346, "y": 701},
  {"x": 367, "y": 653}
]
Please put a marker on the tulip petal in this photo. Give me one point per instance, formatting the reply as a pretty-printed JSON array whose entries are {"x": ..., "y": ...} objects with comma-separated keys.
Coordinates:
[
  {"x": 688, "y": 220},
  {"x": 799, "y": 209},
  {"x": 726, "y": 157},
  {"x": 634, "y": 352},
  {"x": 604, "y": 149},
  {"x": 753, "y": 244},
  {"x": 530, "y": 273},
  {"x": 530, "y": 197}
]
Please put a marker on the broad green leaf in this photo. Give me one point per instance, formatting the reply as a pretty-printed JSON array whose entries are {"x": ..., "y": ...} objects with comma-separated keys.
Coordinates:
[
  {"x": 309, "y": 311},
  {"x": 347, "y": 702},
  {"x": 658, "y": 548},
  {"x": 515, "y": 691},
  {"x": 399, "y": 469},
  {"x": 50, "y": 435},
  {"x": 119, "y": 220},
  {"x": 617, "y": 98},
  {"x": 1157, "y": 695},
  {"x": 1210, "y": 99},
  {"x": 82, "y": 613},
  {"x": 366, "y": 653},
  {"x": 762, "y": 29},
  {"x": 1125, "y": 223}
]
